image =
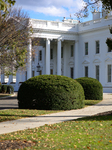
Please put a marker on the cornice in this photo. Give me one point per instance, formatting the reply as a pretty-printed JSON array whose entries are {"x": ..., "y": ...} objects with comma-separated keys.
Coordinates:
[{"x": 37, "y": 30}]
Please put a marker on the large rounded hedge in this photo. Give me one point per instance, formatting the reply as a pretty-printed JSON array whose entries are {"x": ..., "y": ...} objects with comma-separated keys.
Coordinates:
[
  {"x": 93, "y": 89},
  {"x": 50, "y": 92}
]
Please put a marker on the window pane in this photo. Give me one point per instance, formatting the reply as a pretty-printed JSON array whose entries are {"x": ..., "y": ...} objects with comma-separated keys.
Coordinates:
[
  {"x": 51, "y": 71},
  {"x": 40, "y": 72},
  {"x": 33, "y": 73},
  {"x": 72, "y": 51},
  {"x": 61, "y": 52},
  {"x": 86, "y": 48},
  {"x": 86, "y": 71},
  {"x": 51, "y": 53},
  {"x": 109, "y": 73},
  {"x": 97, "y": 73},
  {"x": 26, "y": 75},
  {"x": 97, "y": 47},
  {"x": 71, "y": 72},
  {"x": 40, "y": 55}
]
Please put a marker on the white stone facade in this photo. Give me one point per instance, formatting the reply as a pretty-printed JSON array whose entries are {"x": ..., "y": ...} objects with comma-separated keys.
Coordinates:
[{"x": 71, "y": 49}]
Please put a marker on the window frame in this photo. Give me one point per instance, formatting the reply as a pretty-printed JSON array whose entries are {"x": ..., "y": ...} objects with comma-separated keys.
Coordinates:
[
  {"x": 97, "y": 75},
  {"x": 40, "y": 55},
  {"x": 72, "y": 51},
  {"x": 86, "y": 48},
  {"x": 86, "y": 67},
  {"x": 51, "y": 71},
  {"x": 51, "y": 53},
  {"x": 109, "y": 65},
  {"x": 97, "y": 47},
  {"x": 72, "y": 72},
  {"x": 62, "y": 52}
]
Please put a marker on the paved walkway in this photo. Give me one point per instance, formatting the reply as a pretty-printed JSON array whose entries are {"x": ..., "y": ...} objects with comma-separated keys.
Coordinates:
[{"x": 21, "y": 124}]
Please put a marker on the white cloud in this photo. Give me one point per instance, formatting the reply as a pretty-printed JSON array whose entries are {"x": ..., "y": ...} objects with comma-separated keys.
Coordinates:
[{"x": 59, "y": 8}]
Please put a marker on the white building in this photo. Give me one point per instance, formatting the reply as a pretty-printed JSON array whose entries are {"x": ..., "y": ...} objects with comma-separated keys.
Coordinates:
[{"x": 71, "y": 49}]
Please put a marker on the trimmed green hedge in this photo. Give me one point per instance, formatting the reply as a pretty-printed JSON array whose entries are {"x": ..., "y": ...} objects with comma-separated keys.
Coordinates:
[
  {"x": 5, "y": 88},
  {"x": 51, "y": 92},
  {"x": 93, "y": 89}
]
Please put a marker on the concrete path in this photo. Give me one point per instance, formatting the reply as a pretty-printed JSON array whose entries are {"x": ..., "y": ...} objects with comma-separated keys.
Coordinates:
[
  {"x": 21, "y": 124},
  {"x": 9, "y": 102}
]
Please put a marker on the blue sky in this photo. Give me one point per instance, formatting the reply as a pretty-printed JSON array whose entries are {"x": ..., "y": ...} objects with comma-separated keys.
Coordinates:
[{"x": 53, "y": 10}]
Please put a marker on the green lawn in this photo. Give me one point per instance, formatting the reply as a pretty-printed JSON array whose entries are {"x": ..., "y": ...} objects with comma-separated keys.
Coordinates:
[
  {"x": 12, "y": 114},
  {"x": 90, "y": 133}
]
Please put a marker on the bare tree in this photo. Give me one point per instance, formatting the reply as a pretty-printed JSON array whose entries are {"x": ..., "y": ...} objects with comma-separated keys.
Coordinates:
[
  {"x": 15, "y": 31},
  {"x": 93, "y": 5}
]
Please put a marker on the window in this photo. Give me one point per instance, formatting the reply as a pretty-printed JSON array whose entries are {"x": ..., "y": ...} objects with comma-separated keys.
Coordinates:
[
  {"x": 33, "y": 57},
  {"x": 40, "y": 55},
  {"x": 109, "y": 73},
  {"x": 33, "y": 73},
  {"x": 97, "y": 47},
  {"x": 97, "y": 73},
  {"x": 71, "y": 72},
  {"x": 51, "y": 71},
  {"x": 86, "y": 48},
  {"x": 26, "y": 75},
  {"x": 61, "y": 52},
  {"x": 51, "y": 53},
  {"x": 86, "y": 71},
  {"x": 72, "y": 51},
  {"x": 109, "y": 50},
  {"x": 40, "y": 73}
]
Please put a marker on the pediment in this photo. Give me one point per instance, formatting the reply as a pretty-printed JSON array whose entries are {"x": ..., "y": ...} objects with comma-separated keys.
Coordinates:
[
  {"x": 97, "y": 61},
  {"x": 86, "y": 62},
  {"x": 109, "y": 59}
]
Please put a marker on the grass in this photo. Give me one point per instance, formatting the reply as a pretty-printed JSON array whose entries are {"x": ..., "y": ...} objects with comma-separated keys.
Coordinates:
[
  {"x": 4, "y": 95},
  {"x": 13, "y": 114},
  {"x": 90, "y": 133}
]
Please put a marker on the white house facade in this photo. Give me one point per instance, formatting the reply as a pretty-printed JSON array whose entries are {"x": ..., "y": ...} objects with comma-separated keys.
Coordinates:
[{"x": 71, "y": 49}]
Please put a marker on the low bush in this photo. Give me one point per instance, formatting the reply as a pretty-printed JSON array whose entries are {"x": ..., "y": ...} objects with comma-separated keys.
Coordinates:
[
  {"x": 93, "y": 89},
  {"x": 10, "y": 87},
  {"x": 4, "y": 88},
  {"x": 0, "y": 88},
  {"x": 50, "y": 92}
]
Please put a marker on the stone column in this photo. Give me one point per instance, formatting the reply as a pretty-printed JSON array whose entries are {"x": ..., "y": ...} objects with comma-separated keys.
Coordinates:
[
  {"x": 48, "y": 56},
  {"x": 10, "y": 79},
  {"x": 29, "y": 58},
  {"x": 17, "y": 81},
  {"x": 65, "y": 58},
  {"x": 2, "y": 76},
  {"x": 76, "y": 47},
  {"x": 59, "y": 57}
]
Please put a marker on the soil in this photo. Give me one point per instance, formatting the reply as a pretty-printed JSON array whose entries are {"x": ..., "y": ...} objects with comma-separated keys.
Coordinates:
[{"x": 15, "y": 144}]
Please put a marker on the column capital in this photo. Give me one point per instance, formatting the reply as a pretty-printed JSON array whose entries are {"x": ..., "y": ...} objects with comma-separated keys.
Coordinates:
[{"x": 50, "y": 39}]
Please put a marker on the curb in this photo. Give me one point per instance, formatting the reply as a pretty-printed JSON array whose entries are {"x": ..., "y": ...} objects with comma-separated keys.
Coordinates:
[{"x": 8, "y": 96}]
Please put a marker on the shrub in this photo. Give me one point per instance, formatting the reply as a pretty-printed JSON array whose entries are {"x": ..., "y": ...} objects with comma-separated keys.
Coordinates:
[
  {"x": 93, "y": 89},
  {"x": 50, "y": 92},
  {"x": 10, "y": 87},
  {"x": 4, "y": 88},
  {"x": 0, "y": 88}
]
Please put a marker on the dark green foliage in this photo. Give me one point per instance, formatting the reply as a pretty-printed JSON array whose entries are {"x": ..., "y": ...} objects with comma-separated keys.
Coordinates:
[
  {"x": 0, "y": 89},
  {"x": 4, "y": 88},
  {"x": 51, "y": 92},
  {"x": 10, "y": 87},
  {"x": 93, "y": 89}
]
